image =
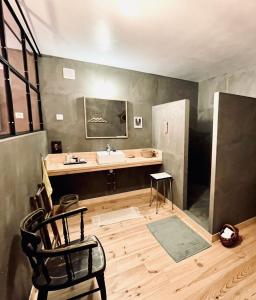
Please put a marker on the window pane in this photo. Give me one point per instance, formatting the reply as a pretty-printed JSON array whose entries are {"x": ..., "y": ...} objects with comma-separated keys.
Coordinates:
[
  {"x": 10, "y": 20},
  {"x": 31, "y": 65},
  {"x": 4, "y": 121},
  {"x": 19, "y": 99},
  {"x": 14, "y": 50},
  {"x": 13, "y": 41},
  {"x": 35, "y": 109}
]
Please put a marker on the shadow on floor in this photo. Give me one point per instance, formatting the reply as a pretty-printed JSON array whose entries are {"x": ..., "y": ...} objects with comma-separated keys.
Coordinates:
[{"x": 198, "y": 204}]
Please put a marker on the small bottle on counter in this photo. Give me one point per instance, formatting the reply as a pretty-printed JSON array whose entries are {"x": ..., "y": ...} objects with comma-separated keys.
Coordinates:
[{"x": 68, "y": 158}]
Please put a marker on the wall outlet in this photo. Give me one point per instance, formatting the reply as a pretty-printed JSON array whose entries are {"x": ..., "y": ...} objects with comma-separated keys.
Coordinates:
[
  {"x": 19, "y": 115},
  {"x": 59, "y": 117},
  {"x": 69, "y": 73}
]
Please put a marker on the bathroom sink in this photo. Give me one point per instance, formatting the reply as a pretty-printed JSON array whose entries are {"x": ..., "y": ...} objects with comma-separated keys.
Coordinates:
[{"x": 110, "y": 157}]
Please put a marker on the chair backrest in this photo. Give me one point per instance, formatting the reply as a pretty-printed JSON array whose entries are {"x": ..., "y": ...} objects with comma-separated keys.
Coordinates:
[
  {"x": 32, "y": 236},
  {"x": 41, "y": 199},
  {"x": 36, "y": 231}
]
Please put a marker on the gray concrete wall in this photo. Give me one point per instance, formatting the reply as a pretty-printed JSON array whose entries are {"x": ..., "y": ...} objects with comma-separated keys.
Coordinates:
[
  {"x": 19, "y": 176},
  {"x": 233, "y": 176},
  {"x": 169, "y": 90},
  {"x": 241, "y": 82},
  {"x": 174, "y": 143},
  {"x": 142, "y": 90}
]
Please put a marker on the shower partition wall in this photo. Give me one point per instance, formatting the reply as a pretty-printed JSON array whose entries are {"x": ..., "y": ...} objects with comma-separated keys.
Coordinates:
[
  {"x": 170, "y": 132},
  {"x": 232, "y": 196},
  {"x": 233, "y": 173}
]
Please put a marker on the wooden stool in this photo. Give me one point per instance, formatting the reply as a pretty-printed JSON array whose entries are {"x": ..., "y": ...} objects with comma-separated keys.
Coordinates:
[{"x": 160, "y": 177}]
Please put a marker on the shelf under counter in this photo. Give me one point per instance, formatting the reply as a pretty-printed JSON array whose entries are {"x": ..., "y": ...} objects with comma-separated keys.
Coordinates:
[{"x": 55, "y": 162}]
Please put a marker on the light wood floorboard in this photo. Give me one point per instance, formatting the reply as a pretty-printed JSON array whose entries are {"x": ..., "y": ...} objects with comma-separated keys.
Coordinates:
[{"x": 139, "y": 268}]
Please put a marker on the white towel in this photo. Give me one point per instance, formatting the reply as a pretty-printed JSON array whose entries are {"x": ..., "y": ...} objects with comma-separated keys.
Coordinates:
[{"x": 227, "y": 233}]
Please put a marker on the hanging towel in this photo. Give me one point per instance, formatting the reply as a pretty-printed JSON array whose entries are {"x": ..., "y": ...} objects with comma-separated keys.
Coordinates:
[{"x": 46, "y": 179}]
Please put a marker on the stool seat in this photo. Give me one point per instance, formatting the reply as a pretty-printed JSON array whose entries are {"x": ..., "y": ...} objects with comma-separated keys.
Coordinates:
[{"x": 159, "y": 176}]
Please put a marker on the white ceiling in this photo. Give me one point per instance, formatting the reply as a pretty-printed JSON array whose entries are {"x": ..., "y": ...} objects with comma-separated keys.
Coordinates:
[{"x": 188, "y": 39}]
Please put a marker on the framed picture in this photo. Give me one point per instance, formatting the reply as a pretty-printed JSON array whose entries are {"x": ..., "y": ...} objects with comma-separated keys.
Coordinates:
[
  {"x": 56, "y": 146},
  {"x": 105, "y": 118},
  {"x": 137, "y": 122}
]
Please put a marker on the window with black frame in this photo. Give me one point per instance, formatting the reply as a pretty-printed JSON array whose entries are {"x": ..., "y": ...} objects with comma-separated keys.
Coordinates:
[{"x": 20, "y": 104}]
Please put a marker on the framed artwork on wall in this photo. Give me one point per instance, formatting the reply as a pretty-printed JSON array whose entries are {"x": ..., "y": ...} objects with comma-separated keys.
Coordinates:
[
  {"x": 138, "y": 122},
  {"x": 105, "y": 118}
]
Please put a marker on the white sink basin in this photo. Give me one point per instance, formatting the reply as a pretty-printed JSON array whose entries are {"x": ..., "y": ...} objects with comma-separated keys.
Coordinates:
[{"x": 110, "y": 157}]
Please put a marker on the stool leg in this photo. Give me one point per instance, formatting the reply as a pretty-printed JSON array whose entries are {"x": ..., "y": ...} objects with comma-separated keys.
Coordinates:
[
  {"x": 151, "y": 187},
  {"x": 157, "y": 197},
  {"x": 164, "y": 192},
  {"x": 171, "y": 191}
]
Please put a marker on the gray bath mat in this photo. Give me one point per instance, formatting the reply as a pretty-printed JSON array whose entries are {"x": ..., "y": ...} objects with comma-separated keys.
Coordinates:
[{"x": 178, "y": 240}]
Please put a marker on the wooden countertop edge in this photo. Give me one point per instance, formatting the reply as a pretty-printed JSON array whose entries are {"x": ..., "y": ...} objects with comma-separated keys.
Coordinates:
[{"x": 96, "y": 168}]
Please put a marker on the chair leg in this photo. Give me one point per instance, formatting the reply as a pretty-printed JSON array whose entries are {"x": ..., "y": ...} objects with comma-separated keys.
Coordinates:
[
  {"x": 101, "y": 283},
  {"x": 42, "y": 295}
]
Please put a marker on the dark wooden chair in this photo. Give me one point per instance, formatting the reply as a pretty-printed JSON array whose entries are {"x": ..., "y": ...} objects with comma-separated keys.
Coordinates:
[
  {"x": 41, "y": 200},
  {"x": 71, "y": 262}
]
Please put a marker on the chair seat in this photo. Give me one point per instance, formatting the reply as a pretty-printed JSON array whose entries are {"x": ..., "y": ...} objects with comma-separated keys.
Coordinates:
[{"x": 56, "y": 267}]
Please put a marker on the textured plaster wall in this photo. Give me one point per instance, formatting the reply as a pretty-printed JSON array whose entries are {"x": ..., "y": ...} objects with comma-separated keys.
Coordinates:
[
  {"x": 173, "y": 143},
  {"x": 169, "y": 90},
  {"x": 241, "y": 82},
  {"x": 20, "y": 174},
  {"x": 233, "y": 177},
  {"x": 142, "y": 90}
]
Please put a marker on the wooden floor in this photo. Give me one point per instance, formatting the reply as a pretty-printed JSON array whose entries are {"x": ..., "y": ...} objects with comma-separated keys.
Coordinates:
[{"x": 139, "y": 268}]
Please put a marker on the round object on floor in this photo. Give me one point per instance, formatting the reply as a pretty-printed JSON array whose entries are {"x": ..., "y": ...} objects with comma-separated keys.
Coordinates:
[{"x": 233, "y": 239}]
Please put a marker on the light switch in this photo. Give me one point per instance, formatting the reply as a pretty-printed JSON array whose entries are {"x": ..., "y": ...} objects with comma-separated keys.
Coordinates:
[
  {"x": 69, "y": 73},
  {"x": 19, "y": 115},
  {"x": 59, "y": 117}
]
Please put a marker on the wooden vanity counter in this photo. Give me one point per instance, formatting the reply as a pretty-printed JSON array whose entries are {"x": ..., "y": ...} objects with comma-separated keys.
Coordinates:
[{"x": 55, "y": 162}]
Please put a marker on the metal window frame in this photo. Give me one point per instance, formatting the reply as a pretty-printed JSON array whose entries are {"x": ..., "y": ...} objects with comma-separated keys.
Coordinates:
[{"x": 7, "y": 68}]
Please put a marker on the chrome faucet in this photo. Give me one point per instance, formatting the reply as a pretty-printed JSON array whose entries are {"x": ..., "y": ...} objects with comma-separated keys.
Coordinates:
[{"x": 108, "y": 149}]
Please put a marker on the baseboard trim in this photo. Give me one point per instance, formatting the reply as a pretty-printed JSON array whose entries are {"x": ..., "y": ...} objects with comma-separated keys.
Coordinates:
[
  {"x": 246, "y": 223},
  {"x": 115, "y": 196},
  {"x": 240, "y": 226}
]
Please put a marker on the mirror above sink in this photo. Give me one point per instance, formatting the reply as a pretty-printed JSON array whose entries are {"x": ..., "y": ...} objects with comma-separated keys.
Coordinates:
[
  {"x": 105, "y": 118},
  {"x": 110, "y": 157}
]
